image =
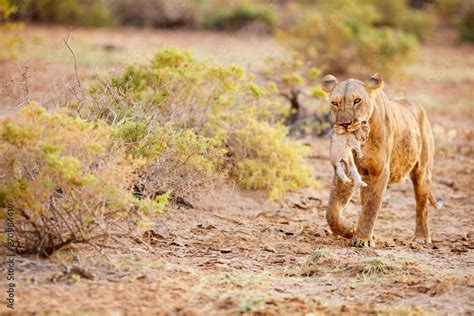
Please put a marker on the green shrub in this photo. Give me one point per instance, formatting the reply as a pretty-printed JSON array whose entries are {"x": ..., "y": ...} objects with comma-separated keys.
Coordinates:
[
  {"x": 298, "y": 83},
  {"x": 348, "y": 37},
  {"x": 8, "y": 39},
  {"x": 176, "y": 160},
  {"x": 398, "y": 15},
  {"x": 160, "y": 13},
  {"x": 459, "y": 13},
  {"x": 219, "y": 104},
  {"x": 76, "y": 12},
  {"x": 449, "y": 10},
  {"x": 466, "y": 26},
  {"x": 266, "y": 159},
  {"x": 240, "y": 15},
  {"x": 68, "y": 181}
]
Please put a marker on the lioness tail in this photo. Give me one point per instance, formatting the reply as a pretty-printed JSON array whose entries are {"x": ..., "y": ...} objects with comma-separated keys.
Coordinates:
[{"x": 437, "y": 203}]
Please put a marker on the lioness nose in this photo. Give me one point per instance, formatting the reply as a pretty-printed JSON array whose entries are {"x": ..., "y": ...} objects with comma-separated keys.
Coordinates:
[{"x": 345, "y": 124}]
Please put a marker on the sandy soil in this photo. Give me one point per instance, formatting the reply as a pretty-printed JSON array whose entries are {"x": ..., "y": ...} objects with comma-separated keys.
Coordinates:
[{"x": 238, "y": 253}]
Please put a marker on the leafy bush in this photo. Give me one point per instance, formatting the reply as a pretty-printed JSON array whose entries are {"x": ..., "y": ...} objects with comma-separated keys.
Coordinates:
[
  {"x": 298, "y": 82},
  {"x": 76, "y": 12},
  {"x": 264, "y": 158},
  {"x": 347, "y": 37},
  {"x": 237, "y": 16},
  {"x": 459, "y": 13},
  {"x": 221, "y": 105},
  {"x": 176, "y": 159},
  {"x": 449, "y": 10},
  {"x": 159, "y": 13},
  {"x": 398, "y": 15},
  {"x": 466, "y": 26},
  {"x": 67, "y": 179},
  {"x": 8, "y": 40}
]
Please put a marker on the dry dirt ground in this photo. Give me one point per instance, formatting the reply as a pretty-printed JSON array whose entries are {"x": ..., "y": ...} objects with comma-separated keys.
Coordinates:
[{"x": 239, "y": 253}]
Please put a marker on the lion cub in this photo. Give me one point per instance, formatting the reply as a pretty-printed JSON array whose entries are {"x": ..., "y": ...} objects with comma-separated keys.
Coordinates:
[{"x": 341, "y": 153}]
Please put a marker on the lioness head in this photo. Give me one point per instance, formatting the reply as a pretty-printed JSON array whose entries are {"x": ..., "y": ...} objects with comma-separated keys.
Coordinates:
[{"x": 351, "y": 100}]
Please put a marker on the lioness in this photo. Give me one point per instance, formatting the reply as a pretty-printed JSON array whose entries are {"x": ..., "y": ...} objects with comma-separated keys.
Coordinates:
[{"x": 400, "y": 143}]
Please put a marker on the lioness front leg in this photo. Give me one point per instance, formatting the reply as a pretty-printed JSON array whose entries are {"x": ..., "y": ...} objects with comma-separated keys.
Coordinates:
[
  {"x": 371, "y": 199},
  {"x": 340, "y": 194}
]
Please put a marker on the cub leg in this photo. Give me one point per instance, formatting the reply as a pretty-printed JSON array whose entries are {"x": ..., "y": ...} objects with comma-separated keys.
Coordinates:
[
  {"x": 355, "y": 145},
  {"x": 422, "y": 188},
  {"x": 355, "y": 173},
  {"x": 341, "y": 173}
]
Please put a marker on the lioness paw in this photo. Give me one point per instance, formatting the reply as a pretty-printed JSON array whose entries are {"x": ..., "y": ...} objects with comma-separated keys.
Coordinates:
[
  {"x": 421, "y": 240},
  {"x": 362, "y": 242}
]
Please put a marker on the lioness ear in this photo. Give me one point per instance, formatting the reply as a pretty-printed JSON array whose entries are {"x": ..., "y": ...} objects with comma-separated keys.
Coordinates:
[
  {"x": 374, "y": 83},
  {"x": 328, "y": 83}
]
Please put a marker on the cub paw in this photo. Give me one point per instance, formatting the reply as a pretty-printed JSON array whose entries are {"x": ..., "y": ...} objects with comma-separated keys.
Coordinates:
[
  {"x": 362, "y": 242},
  {"x": 363, "y": 184}
]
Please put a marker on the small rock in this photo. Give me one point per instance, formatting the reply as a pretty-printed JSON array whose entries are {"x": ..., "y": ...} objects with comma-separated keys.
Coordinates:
[
  {"x": 448, "y": 183},
  {"x": 269, "y": 249},
  {"x": 415, "y": 246},
  {"x": 319, "y": 232},
  {"x": 458, "y": 250}
]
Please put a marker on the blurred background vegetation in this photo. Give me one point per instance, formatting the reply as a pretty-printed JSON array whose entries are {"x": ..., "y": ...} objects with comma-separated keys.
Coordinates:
[{"x": 371, "y": 34}]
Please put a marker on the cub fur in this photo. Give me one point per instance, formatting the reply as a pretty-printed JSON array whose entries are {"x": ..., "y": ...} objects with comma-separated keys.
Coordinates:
[{"x": 341, "y": 154}]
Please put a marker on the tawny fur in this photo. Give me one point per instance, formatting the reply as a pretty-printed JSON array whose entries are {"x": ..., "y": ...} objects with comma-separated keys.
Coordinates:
[{"x": 400, "y": 143}]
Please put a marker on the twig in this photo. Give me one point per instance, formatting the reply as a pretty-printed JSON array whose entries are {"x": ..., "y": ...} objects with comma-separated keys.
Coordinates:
[
  {"x": 75, "y": 90},
  {"x": 24, "y": 82},
  {"x": 74, "y": 58}
]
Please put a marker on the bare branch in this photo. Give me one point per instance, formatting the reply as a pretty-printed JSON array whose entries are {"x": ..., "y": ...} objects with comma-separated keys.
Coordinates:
[
  {"x": 74, "y": 58},
  {"x": 19, "y": 83}
]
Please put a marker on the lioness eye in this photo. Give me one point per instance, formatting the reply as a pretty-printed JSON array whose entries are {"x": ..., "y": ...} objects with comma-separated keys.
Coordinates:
[
  {"x": 334, "y": 103},
  {"x": 357, "y": 100}
]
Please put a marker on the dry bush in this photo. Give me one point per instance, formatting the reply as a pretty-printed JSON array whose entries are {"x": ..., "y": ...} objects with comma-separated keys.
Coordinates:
[
  {"x": 321, "y": 262},
  {"x": 67, "y": 180},
  {"x": 376, "y": 266},
  {"x": 221, "y": 105}
]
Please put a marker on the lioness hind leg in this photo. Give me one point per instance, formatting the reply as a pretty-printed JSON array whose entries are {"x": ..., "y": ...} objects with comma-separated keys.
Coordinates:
[{"x": 422, "y": 187}]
